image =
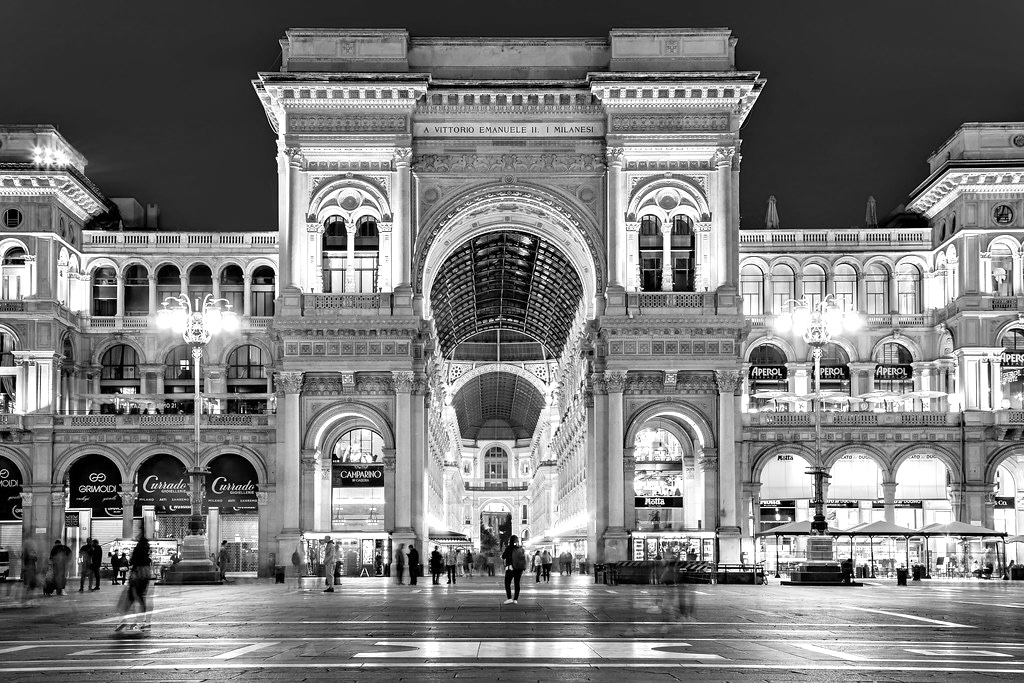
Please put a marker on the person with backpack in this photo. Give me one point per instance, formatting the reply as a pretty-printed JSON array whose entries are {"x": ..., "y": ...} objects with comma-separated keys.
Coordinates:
[{"x": 515, "y": 564}]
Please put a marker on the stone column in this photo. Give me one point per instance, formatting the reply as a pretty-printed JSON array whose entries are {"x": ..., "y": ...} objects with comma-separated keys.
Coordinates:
[
  {"x": 120, "y": 297},
  {"x": 994, "y": 370},
  {"x": 183, "y": 284},
  {"x": 128, "y": 498},
  {"x": 401, "y": 233},
  {"x": 265, "y": 567},
  {"x": 310, "y": 515},
  {"x": 288, "y": 460},
  {"x": 752, "y": 501},
  {"x": 633, "y": 279},
  {"x": 404, "y": 532},
  {"x": 889, "y": 495},
  {"x": 894, "y": 305},
  {"x": 390, "y": 497},
  {"x": 728, "y": 470},
  {"x": 246, "y": 296},
  {"x": 315, "y": 256},
  {"x": 350, "y": 258},
  {"x": 707, "y": 460},
  {"x": 616, "y": 217},
  {"x": 154, "y": 305},
  {"x": 58, "y": 503},
  {"x": 666, "y": 257},
  {"x": 296, "y": 219},
  {"x": 615, "y": 535},
  {"x": 284, "y": 275},
  {"x": 628, "y": 488}
]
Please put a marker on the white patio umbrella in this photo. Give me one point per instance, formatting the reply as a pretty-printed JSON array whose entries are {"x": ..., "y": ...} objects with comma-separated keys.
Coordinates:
[{"x": 771, "y": 218}]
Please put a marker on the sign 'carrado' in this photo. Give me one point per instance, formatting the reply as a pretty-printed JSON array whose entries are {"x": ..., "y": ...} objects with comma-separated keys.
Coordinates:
[{"x": 231, "y": 485}]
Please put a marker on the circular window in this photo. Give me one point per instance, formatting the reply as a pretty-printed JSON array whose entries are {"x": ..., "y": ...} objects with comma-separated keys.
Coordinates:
[
  {"x": 1018, "y": 140},
  {"x": 1002, "y": 214},
  {"x": 12, "y": 218}
]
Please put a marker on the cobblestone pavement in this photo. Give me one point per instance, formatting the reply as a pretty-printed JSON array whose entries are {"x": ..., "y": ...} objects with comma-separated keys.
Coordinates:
[{"x": 568, "y": 630}]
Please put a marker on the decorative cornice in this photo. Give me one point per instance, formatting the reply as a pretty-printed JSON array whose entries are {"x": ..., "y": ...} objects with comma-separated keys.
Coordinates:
[
  {"x": 83, "y": 203},
  {"x": 953, "y": 183},
  {"x": 667, "y": 123},
  {"x": 348, "y": 123}
]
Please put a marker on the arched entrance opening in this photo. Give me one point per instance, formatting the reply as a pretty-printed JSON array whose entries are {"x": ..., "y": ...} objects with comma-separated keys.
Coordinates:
[
  {"x": 921, "y": 499},
  {"x": 232, "y": 507},
  {"x": 1006, "y": 515},
  {"x": 668, "y": 496},
  {"x": 162, "y": 501},
  {"x": 784, "y": 498},
  {"x": 94, "y": 505},
  {"x": 495, "y": 527},
  {"x": 357, "y": 503}
]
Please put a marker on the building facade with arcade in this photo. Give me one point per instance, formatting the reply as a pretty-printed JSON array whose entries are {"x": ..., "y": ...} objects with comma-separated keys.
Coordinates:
[{"x": 508, "y": 292}]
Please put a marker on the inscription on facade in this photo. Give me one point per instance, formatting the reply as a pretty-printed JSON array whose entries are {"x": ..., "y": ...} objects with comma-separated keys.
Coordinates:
[{"x": 509, "y": 130}]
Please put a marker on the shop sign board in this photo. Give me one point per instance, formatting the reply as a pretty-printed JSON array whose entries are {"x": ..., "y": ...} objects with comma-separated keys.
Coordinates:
[
  {"x": 833, "y": 372},
  {"x": 231, "y": 486},
  {"x": 1005, "y": 502},
  {"x": 768, "y": 373},
  {"x": 351, "y": 474},
  {"x": 899, "y": 503},
  {"x": 95, "y": 483},
  {"x": 164, "y": 484},
  {"x": 10, "y": 491},
  {"x": 658, "y": 501},
  {"x": 777, "y": 503},
  {"x": 894, "y": 372},
  {"x": 838, "y": 503},
  {"x": 72, "y": 520}
]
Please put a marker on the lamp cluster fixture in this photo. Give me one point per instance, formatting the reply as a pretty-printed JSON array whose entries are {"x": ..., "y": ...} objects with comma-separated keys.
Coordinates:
[
  {"x": 199, "y": 322},
  {"x": 817, "y": 321},
  {"x": 47, "y": 156}
]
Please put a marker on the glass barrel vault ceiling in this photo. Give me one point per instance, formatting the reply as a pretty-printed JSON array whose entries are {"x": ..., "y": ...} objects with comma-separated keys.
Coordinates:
[{"x": 502, "y": 291}]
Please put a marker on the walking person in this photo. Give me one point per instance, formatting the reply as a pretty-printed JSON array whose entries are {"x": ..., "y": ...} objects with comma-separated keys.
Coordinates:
[
  {"x": 414, "y": 564},
  {"x": 489, "y": 561},
  {"x": 436, "y": 565},
  {"x": 538, "y": 565},
  {"x": 449, "y": 565},
  {"x": 468, "y": 562},
  {"x": 546, "y": 561},
  {"x": 400, "y": 563},
  {"x": 515, "y": 564},
  {"x": 85, "y": 565},
  {"x": 222, "y": 559},
  {"x": 460, "y": 558},
  {"x": 123, "y": 567},
  {"x": 115, "y": 569},
  {"x": 96, "y": 560},
  {"x": 330, "y": 559},
  {"x": 139, "y": 576}
]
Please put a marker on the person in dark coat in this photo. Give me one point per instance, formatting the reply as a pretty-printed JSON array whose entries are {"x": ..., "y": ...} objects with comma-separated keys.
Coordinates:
[
  {"x": 436, "y": 565},
  {"x": 414, "y": 564},
  {"x": 97, "y": 561},
  {"x": 85, "y": 565},
  {"x": 400, "y": 563}
]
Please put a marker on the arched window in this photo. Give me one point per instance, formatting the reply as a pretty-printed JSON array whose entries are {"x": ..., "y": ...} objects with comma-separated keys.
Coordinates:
[
  {"x": 168, "y": 282},
  {"x": 783, "y": 288},
  {"x": 835, "y": 369},
  {"x": 752, "y": 290},
  {"x": 262, "y": 292},
  {"x": 894, "y": 371},
  {"x": 200, "y": 282},
  {"x": 357, "y": 493},
  {"x": 246, "y": 373},
  {"x": 104, "y": 292},
  {"x": 768, "y": 374},
  {"x": 1001, "y": 268},
  {"x": 650, "y": 253},
  {"x": 367, "y": 255},
  {"x": 136, "y": 290},
  {"x": 683, "y": 254},
  {"x": 814, "y": 283},
  {"x": 908, "y": 289},
  {"x": 13, "y": 274},
  {"x": 119, "y": 374},
  {"x": 876, "y": 290},
  {"x": 335, "y": 253},
  {"x": 178, "y": 380},
  {"x": 495, "y": 465},
  {"x": 232, "y": 287},
  {"x": 845, "y": 286},
  {"x": 1012, "y": 367}
]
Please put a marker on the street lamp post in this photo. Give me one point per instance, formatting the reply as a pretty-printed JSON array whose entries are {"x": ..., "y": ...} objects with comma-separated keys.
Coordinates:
[
  {"x": 197, "y": 324},
  {"x": 817, "y": 323}
]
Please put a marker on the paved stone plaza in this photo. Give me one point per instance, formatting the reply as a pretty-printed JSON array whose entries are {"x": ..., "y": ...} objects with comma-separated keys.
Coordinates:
[{"x": 570, "y": 629}]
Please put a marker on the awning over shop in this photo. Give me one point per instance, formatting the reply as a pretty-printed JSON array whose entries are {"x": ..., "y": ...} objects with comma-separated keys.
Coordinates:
[
  {"x": 447, "y": 535},
  {"x": 877, "y": 529},
  {"x": 958, "y": 529}
]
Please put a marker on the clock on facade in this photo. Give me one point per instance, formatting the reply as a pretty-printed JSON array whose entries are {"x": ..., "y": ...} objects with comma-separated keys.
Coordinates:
[{"x": 1002, "y": 214}]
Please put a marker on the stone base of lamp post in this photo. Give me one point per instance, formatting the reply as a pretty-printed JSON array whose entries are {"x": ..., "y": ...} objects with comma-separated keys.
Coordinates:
[
  {"x": 195, "y": 567},
  {"x": 820, "y": 569}
]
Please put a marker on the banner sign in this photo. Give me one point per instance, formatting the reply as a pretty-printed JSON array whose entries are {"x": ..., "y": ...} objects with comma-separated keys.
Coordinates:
[
  {"x": 894, "y": 372},
  {"x": 163, "y": 482},
  {"x": 1012, "y": 359},
  {"x": 343, "y": 475},
  {"x": 10, "y": 491},
  {"x": 776, "y": 503},
  {"x": 833, "y": 372},
  {"x": 768, "y": 373},
  {"x": 1005, "y": 502},
  {"x": 231, "y": 486},
  {"x": 658, "y": 501},
  {"x": 836, "y": 503},
  {"x": 899, "y": 503},
  {"x": 72, "y": 520},
  {"x": 95, "y": 483}
]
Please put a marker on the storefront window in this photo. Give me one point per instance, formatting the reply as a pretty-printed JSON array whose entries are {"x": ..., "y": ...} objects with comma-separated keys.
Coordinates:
[
  {"x": 768, "y": 377},
  {"x": 1012, "y": 362},
  {"x": 357, "y": 482},
  {"x": 894, "y": 371},
  {"x": 659, "y": 483}
]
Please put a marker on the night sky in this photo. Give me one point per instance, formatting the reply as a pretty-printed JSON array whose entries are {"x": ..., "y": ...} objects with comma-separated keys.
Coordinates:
[{"x": 157, "y": 95}]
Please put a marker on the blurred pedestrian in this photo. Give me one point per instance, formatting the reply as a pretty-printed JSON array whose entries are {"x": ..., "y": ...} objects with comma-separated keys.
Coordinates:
[
  {"x": 515, "y": 564},
  {"x": 115, "y": 568},
  {"x": 546, "y": 561},
  {"x": 449, "y": 564},
  {"x": 538, "y": 565},
  {"x": 85, "y": 565},
  {"x": 400, "y": 563},
  {"x": 436, "y": 565},
  {"x": 414, "y": 564},
  {"x": 460, "y": 559},
  {"x": 467, "y": 562},
  {"x": 489, "y": 561},
  {"x": 330, "y": 559},
  {"x": 222, "y": 559},
  {"x": 139, "y": 575},
  {"x": 96, "y": 562},
  {"x": 122, "y": 568}
]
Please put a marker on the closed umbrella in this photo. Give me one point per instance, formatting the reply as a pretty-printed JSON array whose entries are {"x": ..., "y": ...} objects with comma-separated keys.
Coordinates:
[
  {"x": 771, "y": 218},
  {"x": 871, "y": 213}
]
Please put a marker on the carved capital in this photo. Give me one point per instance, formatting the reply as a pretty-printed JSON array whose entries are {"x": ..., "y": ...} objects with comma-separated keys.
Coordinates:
[
  {"x": 128, "y": 498},
  {"x": 262, "y": 497},
  {"x": 598, "y": 383},
  {"x": 703, "y": 226},
  {"x": 26, "y": 498},
  {"x": 316, "y": 228},
  {"x": 288, "y": 382},
  {"x": 389, "y": 460},
  {"x": 723, "y": 155},
  {"x": 310, "y": 461},
  {"x": 295, "y": 156},
  {"x": 728, "y": 380},
  {"x": 616, "y": 382},
  {"x": 633, "y": 226},
  {"x": 708, "y": 463},
  {"x": 58, "y": 499},
  {"x": 403, "y": 382},
  {"x": 628, "y": 464},
  {"x": 615, "y": 155},
  {"x": 402, "y": 155}
]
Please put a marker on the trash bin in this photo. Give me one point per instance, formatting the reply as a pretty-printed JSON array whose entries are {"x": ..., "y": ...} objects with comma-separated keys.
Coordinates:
[
  {"x": 901, "y": 577},
  {"x": 916, "y": 572},
  {"x": 1017, "y": 573},
  {"x": 278, "y": 573}
]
